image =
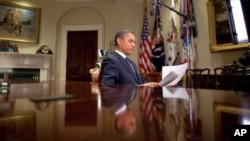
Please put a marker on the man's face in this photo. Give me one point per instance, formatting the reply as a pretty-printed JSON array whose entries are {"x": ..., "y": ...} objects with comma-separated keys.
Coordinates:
[
  {"x": 126, "y": 44},
  {"x": 130, "y": 122},
  {"x": 127, "y": 122}
]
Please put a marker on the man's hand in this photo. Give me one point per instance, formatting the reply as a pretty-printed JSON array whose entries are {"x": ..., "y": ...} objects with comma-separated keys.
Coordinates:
[
  {"x": 151, "y": 84},
  {"x": 155, "y": 84}
]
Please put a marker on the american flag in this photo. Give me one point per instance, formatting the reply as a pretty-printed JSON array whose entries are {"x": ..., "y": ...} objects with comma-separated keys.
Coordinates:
[
  {"x": 146, "y": 105},
  {"x": 145, "y": 48}
]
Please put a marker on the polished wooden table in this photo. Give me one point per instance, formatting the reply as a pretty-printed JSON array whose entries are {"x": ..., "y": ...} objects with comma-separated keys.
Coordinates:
[{"x": 37, "y": 112}]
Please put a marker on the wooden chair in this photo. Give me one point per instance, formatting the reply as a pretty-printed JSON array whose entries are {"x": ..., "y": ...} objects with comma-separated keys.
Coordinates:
[
  {"x": 153, "y": 76},
  {"x": 199, "y": 78},
  {"x": 226, "y": 77},
  {"x": 95, "y": 74}
]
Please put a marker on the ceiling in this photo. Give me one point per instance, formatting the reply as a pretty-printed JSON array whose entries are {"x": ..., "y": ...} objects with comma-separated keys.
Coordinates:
[{"x": 140, "y": 1}]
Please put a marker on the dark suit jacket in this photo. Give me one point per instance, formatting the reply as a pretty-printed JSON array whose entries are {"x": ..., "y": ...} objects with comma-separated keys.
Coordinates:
[
  {"x": 114, "y": 96},
  {"x": 115, "y": 70}
]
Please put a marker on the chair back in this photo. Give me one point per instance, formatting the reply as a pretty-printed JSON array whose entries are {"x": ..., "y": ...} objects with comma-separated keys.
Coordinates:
[
  {"x": 153, "y": 76},
  {"x": 95, "y": 74},
  {"x": 199, "y": 78},
  {"x": 226, "y": 77}
]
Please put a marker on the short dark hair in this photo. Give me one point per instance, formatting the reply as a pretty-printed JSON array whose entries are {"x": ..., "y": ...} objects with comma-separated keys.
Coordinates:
[{"x": 121, "y": 34}]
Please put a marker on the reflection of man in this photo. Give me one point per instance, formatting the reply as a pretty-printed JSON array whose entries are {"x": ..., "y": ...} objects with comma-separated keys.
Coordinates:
[
  {"x": 125, "y": 121},
  {"x": 117, "y": 99}
]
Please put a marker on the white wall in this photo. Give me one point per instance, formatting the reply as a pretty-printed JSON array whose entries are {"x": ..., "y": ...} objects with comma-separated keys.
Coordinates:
[{"x": 115, "y": 15}]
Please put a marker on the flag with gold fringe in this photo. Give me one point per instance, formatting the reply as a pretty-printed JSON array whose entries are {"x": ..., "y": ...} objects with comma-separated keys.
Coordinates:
[
  {"x": 188, "y": 32},
  {"x": 158, "y": 51},
  {"x": 172, "y": 48}
]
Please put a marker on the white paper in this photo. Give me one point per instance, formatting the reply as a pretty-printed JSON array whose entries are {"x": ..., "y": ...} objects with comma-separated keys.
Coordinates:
[
  {"x": 175, "y": 92},
  {"x": 177, "y": 69}
]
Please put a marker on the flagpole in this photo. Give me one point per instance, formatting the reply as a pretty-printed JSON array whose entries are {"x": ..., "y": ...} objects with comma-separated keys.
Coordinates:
[
  {"x": 159, "y": 2},
  {"x": 145, "y": 55},
  {"x": 190, "y": 24}
]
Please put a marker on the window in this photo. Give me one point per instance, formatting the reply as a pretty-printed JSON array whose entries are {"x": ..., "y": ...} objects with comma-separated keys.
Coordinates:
[{"x": 237, "y": 21}]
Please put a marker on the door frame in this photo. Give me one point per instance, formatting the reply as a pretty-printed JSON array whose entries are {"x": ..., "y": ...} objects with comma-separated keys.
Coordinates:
[{"x": 63, "y": 48}]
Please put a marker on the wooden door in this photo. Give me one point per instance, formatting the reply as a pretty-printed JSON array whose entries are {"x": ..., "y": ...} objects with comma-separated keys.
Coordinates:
[{"x": 81, "y": 54}]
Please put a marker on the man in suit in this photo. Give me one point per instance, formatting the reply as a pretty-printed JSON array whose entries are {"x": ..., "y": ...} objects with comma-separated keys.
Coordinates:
[
  {"x": 117, "y": 68},
  {"x": 117, "y": 98}
]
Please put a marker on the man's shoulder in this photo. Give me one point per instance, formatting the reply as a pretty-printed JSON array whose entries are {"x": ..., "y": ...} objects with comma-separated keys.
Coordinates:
[{"x": 113, "y": 56}]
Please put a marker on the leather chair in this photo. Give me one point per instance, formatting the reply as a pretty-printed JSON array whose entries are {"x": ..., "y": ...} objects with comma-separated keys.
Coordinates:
[{"x": 153, "y": 76}]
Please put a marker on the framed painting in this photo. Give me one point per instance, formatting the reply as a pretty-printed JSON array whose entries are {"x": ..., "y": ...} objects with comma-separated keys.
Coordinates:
[
  {"x": 226, "y": 116},
  {"x": 19, "y": 23},
  {"x": 220, "y": 36}
]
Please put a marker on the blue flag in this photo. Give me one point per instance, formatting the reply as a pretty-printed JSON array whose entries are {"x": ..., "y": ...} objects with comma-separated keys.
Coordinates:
[{"x": 158, "y": 53}]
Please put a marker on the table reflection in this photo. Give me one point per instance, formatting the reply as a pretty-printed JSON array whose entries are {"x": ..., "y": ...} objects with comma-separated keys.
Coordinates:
[
  {"x": 117, "y": 99},
  {"x": 158, "y": 106},
  {"x": 120, "y": 112}
]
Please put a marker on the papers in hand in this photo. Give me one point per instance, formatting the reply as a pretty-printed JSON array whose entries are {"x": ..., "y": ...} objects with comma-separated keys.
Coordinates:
[{"x": 171, "y": 75}]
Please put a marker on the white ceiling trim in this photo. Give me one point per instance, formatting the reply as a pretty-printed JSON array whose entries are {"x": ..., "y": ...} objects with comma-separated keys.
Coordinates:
[{"x": 140, "y": 1}]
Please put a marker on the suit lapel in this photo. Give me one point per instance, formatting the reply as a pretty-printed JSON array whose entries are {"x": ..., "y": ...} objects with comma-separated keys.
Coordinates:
[
  {"x": 128, "y": 67},
  {"x": 136, "y": 72}
]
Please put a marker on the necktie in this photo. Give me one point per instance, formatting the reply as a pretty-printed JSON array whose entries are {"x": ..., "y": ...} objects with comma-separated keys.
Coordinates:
[
  {"x": 130, "y": 64},
  {"x": 134, "y": 70}
]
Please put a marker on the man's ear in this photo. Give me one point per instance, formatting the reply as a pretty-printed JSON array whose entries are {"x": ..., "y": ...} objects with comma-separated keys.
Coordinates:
[
  {"x": 118, "y": 124},
  {"x": 119, "y": 40}
]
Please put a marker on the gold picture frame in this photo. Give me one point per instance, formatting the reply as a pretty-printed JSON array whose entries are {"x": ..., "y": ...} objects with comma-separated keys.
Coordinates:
[
  {"x": 19, "y": 23},
  {"x": 219, "y": 29},
  {"x": 226, "y": 115}
]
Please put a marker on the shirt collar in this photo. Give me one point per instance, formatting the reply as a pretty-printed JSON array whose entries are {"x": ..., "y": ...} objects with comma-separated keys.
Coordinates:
[
  {"x": 120, "y": 53},
  {"x": 121, "y": 110}
]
